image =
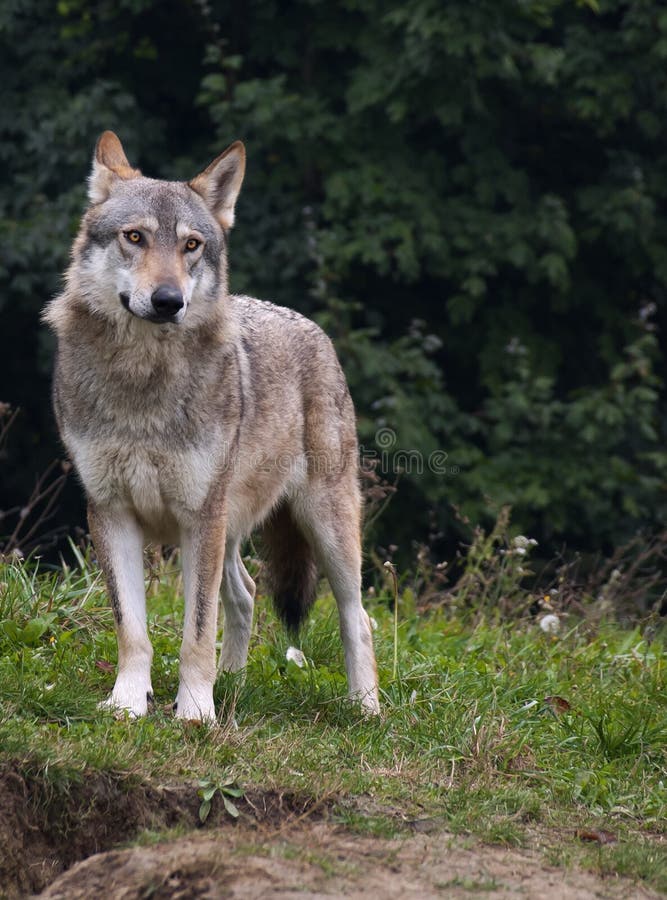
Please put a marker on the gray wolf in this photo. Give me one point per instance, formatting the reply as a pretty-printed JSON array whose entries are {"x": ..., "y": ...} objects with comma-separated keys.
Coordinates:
[{"x": 193, "y": 417}]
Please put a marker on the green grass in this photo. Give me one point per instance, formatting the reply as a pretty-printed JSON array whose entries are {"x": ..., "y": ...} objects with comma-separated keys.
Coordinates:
[{"x": 466, "y": 739}]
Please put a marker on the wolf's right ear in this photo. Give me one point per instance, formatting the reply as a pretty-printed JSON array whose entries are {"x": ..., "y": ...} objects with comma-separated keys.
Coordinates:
[
  {"x": 219, "y": 184},
  {"x": 109, "y": 164}
]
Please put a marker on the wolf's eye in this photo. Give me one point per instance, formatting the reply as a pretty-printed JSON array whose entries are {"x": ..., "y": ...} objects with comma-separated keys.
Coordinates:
[
  {"x": 133, "y": 236},
  {"x": 191, "y": 245}
]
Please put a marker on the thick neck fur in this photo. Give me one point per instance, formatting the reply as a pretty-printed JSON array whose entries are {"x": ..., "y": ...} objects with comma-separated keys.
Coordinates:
[
  {"x": 135, "y": 378},
  {"x": 131, "y": 341}
]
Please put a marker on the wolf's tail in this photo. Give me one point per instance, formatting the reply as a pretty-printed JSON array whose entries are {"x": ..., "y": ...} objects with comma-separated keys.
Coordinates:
[{"x": 290, "y": 566}]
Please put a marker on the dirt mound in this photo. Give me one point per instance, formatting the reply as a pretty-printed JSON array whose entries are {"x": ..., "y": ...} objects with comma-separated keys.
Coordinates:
[
  {"x": 46, "y": 826},
  {"x": 323, "y": 861}
]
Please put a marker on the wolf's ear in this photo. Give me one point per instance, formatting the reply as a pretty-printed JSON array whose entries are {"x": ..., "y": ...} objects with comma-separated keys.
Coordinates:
[
  {"x": 109, "y": 164},
  {"x": 219, "y": 184}
]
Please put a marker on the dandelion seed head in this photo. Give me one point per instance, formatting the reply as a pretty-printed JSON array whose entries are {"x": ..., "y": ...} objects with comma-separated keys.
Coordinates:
[{"x": 550, "y": 624}]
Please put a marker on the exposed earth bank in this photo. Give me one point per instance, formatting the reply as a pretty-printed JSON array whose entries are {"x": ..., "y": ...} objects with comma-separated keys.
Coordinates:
[{"x": 320, "y": 860}]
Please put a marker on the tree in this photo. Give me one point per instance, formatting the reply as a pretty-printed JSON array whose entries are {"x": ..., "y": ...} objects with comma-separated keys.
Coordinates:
[{"x": 466, "y": 195}]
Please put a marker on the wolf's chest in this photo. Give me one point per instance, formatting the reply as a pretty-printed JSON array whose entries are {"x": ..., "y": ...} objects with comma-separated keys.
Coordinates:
[{"x": 163, "y": 487}]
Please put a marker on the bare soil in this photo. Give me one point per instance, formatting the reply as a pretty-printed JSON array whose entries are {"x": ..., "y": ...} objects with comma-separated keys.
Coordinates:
[
  {"x": 45, "y": 828},
  {"x": 320, "y": 860},
  {"x": 63, "y": 844}
]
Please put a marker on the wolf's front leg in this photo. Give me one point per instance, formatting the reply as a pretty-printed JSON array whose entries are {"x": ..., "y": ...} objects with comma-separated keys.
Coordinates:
[
  {"x": 119, "y": 543},
  {"x": 202, "y": 550}
]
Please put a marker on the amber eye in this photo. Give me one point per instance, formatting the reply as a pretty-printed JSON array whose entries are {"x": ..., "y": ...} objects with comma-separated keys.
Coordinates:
[
  {"x": 191, "y": 245},
  {"x": 133, "y": 236}
]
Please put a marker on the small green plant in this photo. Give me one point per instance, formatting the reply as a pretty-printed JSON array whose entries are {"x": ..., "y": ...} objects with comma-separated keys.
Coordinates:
[
  {"x": 209, "y": 787},
  {"x": 30, "y": 633},
  {"x": 494, "y": 568},
  {"x": 391, "y": 569}
]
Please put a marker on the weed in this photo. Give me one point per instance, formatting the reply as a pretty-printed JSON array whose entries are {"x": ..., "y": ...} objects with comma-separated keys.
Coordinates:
[
  {"x": 29, "y": 520},
  {"x": 226, "y": 788}
]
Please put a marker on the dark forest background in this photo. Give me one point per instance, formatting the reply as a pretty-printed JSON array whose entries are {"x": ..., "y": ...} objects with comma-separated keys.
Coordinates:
[{"x": 469, "y": 197}]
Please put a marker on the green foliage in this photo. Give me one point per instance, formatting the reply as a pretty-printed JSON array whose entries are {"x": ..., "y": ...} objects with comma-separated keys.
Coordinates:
[
  {"x": 601, "y": 446},
  {"x": 209, "y": 787},
  {"x": 435, "y": 182}
]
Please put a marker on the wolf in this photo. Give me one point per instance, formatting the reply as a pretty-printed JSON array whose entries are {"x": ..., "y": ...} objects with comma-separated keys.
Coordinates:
[{"x": 194, "y": 417}]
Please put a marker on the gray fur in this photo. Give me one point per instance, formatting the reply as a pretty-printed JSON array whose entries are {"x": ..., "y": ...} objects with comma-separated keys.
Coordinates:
[{"x": 197, "y": 430}]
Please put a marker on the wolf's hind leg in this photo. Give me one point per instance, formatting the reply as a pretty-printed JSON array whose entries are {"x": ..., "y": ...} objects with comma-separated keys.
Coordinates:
[
  {"x": 330, "y": 516},
  {"x": 118, "y": 542},
  {"x": 238, "y": 594}
]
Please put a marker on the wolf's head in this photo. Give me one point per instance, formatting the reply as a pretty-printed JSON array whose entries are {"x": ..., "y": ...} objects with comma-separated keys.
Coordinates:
[{"x": 155, "y": 249}]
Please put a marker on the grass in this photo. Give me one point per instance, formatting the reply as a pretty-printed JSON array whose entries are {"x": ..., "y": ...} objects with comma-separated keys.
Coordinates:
[{"x": 491, "y": 729}]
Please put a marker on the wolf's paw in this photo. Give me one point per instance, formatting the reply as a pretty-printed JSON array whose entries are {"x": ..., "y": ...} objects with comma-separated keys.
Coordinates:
[
  {"x": 370, "y": 704},
  {"x": 131, "y": 702},
  {"x": 195, "y": 704}
]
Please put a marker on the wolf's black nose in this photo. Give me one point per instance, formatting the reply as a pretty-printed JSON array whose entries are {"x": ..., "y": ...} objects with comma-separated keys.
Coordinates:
[{"x": 166, "y": 300}]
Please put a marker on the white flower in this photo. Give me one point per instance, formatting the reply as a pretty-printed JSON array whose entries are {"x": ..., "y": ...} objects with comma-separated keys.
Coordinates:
[
  {"x": 550, "y": 624},
  {"x": 296, "y": 656},
  {"x": 522, "y": 542}
]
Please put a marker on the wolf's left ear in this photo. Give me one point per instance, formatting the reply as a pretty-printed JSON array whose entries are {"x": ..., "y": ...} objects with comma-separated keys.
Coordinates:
[
  {"x": 109, "y": 164},
  {"x": 219, "y": 184}
]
